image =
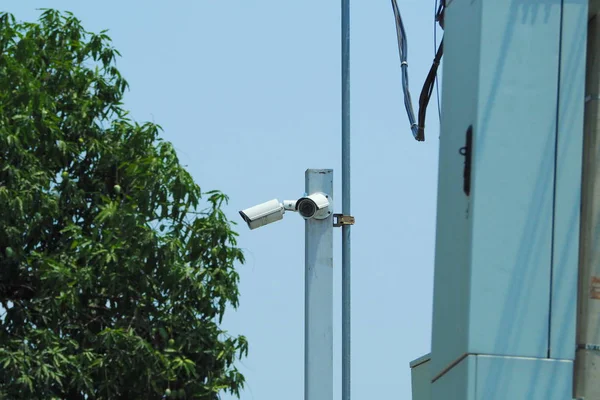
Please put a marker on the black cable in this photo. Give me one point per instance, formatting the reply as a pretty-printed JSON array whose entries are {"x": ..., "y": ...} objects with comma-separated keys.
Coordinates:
[
  {"x": 418, "y": 128},
  {"x": 428, "y": 90},
  {"x": 440, "y": 8},
  {"x": 436, "y": 11},
  {"x": 403, "y": 50},
  {"x": 439, "y": 15},
  {"x": 431, "y": 80}
]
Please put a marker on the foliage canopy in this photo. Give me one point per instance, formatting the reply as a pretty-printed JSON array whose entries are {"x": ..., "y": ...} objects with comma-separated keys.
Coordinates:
[{"x": 115, "y": 269}]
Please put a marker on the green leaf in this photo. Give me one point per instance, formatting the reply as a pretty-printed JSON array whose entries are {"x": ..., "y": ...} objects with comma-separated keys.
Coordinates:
[{"x": 27, "y": 381}]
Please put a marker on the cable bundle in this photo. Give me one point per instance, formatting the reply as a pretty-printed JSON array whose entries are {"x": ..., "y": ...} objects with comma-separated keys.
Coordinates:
[
  {"x": 418, "y": 129},
  {"x": 403, "y": 49}
]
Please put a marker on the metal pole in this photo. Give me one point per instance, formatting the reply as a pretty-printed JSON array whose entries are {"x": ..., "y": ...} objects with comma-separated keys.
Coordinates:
[
  {"x": 587, "y": 360},
  {"x": 346, "y": 253},
  {"x": 318, "y": 295}
]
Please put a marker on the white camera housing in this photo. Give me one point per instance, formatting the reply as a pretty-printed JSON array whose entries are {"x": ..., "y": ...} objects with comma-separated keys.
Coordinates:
[
  {"x": 315, "y": 206},
  {"x": 263, "y": 214}
]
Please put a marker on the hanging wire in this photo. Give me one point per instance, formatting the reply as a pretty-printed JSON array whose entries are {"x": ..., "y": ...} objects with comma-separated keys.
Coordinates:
[
  {"x": 428, "y": 89},
  {"x": 418, "y": 127},
  {"x": 431, "y": 79},
  {"x": 403, "y": 49},
  {"x": 439, "y": 15},
  {"x": 436, "y": 12}
]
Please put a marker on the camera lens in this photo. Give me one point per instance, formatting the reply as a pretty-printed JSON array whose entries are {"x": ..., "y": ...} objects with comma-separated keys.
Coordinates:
[{"x": 307, "y": 208}]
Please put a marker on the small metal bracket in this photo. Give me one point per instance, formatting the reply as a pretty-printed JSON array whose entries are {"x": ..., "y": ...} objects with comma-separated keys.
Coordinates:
[
  {"x": 587, "y": 346},
  {"x": 341, "y": 220},
  {"x": 591, "y": 97}
]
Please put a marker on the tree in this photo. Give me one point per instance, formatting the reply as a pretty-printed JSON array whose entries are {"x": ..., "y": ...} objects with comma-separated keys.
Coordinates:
[{"x": 115, "y": 269}]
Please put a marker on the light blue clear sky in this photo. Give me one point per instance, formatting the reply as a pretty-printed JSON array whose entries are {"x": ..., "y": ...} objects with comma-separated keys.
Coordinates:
[{"x": 249, "y": 93}]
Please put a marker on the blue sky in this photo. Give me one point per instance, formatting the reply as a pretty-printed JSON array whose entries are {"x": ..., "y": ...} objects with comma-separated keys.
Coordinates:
[{"x": 249, "y": 93}]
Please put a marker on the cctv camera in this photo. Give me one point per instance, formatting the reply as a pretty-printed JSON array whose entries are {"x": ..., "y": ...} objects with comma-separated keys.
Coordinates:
[
  {"x": 314, "y": 206},
  {"x": 263, "y": 214}
]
